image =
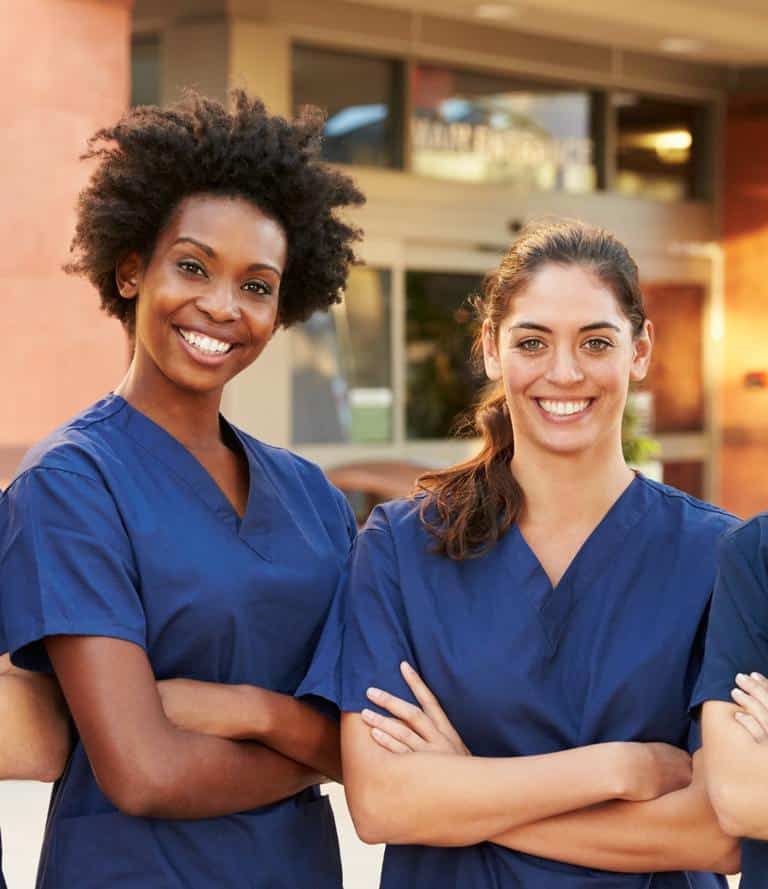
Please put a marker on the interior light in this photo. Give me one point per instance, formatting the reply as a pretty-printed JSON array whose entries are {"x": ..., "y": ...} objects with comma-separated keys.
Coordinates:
[
  {"x": 681, "y": 45},
  {"x": 495, "y": 11}
]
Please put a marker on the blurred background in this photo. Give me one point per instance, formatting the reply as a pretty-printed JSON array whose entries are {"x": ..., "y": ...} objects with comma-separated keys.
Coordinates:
[{"x": 460, "y": 120}]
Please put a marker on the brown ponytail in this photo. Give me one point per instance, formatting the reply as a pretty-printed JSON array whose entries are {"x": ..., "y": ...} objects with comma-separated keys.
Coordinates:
[{"x": 468, "y": 507}]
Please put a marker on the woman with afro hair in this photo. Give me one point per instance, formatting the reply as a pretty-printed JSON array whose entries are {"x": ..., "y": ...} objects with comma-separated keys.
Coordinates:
[{"x": 171, "y": 570}]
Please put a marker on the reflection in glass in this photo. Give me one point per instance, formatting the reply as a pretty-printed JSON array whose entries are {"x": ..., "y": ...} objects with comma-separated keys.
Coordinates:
[
  {"x": 661, "y": 152},
  {"x": 441, "y": 385},
  {"x": 362, "y": 98},
  {"x": 342, "y": 367},
  {"x": 145, "y": 71},
  {"x": 482, "y": 128}
]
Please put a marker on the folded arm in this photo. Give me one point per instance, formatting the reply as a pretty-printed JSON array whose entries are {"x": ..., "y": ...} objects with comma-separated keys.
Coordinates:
[
  {"x": 677, "y": 831},
  {"x": 247, "y": 712},
  {"x": 143, "y": 763},
  {"x": 737, "y": 769},
  {"x": 35, "y": 734}
]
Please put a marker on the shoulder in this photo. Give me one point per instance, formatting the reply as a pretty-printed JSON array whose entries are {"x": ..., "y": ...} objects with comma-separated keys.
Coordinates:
[
  {"x": 693, "y": 516},
  {"x": 76, "y": 446},
  {"x": 400, "y": 520},
  {"x": 749, "y": 539}
]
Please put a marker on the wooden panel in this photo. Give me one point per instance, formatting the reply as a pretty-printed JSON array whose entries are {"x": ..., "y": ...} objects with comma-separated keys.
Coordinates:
[
  {"x": 676, "y": 375},
  {"x": 687, "y": 475}
]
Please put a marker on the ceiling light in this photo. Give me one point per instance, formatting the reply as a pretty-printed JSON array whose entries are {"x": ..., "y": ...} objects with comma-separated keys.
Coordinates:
[
  {"x": 681, "y": 45},
  {"x": 495, "y": 11}
]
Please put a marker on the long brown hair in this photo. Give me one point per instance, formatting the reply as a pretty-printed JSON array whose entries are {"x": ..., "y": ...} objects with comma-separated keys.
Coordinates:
[{"x": 468, "y": 507}]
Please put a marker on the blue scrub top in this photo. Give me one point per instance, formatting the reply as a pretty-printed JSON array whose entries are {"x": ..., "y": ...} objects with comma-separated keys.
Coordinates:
[
  {"x": 612, "y": 653},
  {"x": 113, "y": 528},
  {"x": 737, "y": 642}
]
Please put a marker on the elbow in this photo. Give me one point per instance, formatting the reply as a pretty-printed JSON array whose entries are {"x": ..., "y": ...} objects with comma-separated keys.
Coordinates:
[
  {"x": 370, "y": 818},
  {"x": 134, "y": 790},
  {"x": 726, "y": 799}
]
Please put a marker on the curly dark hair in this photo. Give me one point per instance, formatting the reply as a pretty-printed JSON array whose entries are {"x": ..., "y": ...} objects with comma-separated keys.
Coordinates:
[{"x": 154, "y": 157}]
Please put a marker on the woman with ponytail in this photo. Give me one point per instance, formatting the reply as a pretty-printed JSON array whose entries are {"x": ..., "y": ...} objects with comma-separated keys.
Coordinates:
[{"x": 521, "y": 638}]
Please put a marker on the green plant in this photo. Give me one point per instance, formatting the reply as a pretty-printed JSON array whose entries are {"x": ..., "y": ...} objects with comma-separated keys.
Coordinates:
[{"x": 638, "y": 447}]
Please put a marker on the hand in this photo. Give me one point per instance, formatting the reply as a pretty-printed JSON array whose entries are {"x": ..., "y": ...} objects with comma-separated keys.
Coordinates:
[
  {"x": 210, "y": 708},
  {"x": 411, "y": 729},
  {"x": 752, "y": 697},
  {"x": 655, "y": 770}
]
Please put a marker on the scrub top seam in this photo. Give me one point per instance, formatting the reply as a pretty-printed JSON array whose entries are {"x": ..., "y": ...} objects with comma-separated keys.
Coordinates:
[
  {"x": 674, "y": 494},
  {"x": 44, "y": 468}
]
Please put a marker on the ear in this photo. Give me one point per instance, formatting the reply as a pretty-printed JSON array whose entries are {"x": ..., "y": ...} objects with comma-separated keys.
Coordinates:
[
  {"x": 491, "y": 358},
  {"x": 128, "y": 275},
  {"x": 643, "y": 347}
]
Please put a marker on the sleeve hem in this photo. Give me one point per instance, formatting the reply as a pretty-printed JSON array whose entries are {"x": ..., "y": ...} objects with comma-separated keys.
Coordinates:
[{"x": 21, "y": 655}]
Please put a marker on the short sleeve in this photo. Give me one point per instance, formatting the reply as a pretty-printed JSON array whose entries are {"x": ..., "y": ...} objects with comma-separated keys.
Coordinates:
[
  {"x": 66, "y": 565},
  {"x": 376, "y": 637},
  {"x": 737, "y": 636}
]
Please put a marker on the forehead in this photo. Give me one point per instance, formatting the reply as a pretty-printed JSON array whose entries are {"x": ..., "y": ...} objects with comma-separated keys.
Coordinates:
[
  {"x": 232, "y": 226},
  {"x": 559, "y": 296}
]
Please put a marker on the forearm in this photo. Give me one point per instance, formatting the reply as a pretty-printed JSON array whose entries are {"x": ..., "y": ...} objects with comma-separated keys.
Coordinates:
[
  {"x": 35, "y": 729},
  {"x": 678, "y": 831},
  {"x": 295, "y": 729},
  {"x": 738, "y": 773},
  {"x": 434, "y": 799},
  {"x": 180, "y": 774}
]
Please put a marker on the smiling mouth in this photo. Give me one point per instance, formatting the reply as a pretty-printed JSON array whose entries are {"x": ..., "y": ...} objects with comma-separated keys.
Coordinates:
[
  {"x": 557, "y": 408},
  {"x": 206, "y": 345}
]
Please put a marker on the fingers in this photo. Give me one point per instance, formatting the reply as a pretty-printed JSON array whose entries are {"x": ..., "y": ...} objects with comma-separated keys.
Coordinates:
[
  {"x": 388, "y": 742},
  {"x": 752, "y": 697},
  {"x": 410, "y": 714},
  {"x": 395, "y": 730},
  {"x": 751, "y": 725}
]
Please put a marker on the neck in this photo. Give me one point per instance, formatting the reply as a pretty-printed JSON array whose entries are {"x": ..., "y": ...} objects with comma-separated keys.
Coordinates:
[
  {"x": 191, "y": 417},
  {"x": 570, "y": 488}
]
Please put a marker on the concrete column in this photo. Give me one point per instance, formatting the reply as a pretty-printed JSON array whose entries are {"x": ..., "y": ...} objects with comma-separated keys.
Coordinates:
[
  {"x": 60, "y": 351},
  {"x": 259, "y": 400}
]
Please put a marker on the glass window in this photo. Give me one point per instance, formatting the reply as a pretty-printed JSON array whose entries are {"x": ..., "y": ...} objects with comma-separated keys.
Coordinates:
[
  {"x": 483, "y": 128},
  {"x": 662, "y": 148},
  {"x": 441, "y": 384},
  {"x": 362, "y": 96},
  {"x": 145, "y": 71},
  {"x": 342, "y": 388}
]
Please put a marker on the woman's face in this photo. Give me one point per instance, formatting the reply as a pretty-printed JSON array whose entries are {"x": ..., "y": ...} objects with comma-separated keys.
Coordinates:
[
  {"x": 207, "y": 300},
  {"x": 565, "y": 354}
]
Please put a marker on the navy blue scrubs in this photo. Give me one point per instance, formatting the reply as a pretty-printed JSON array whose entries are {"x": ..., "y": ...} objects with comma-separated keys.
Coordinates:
[
  {"x": 113, "y": 528},
  {"x": 612, "y": 653},
  {"x": 737, "y": 642}
]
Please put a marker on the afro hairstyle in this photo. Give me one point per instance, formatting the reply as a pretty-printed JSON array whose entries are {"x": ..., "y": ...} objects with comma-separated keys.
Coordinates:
[{"x": 155, "y": 157}]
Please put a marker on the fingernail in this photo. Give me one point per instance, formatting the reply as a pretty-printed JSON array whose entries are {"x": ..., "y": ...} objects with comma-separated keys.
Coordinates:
[
  {"x": 741, "y": 677},
  {"x": 367, "y": 714},
  {"x": 406, "y": 667},
  {"x": 756, "y": 675},
  {"x": 374, "y": 693},
  {"x": 377, "y": 733},
  {"x": 738, "y": 693}
]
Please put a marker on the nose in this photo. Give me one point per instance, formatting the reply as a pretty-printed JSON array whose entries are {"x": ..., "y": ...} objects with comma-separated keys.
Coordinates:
[
  {"x": 220, "y": 303},
  {"x": 564, "y": 368}
]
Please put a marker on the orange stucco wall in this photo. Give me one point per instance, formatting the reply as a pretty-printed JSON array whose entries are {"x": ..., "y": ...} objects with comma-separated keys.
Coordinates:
[
  {"x": 744, "y": 487},
  {"x": 64, "y": 72}
]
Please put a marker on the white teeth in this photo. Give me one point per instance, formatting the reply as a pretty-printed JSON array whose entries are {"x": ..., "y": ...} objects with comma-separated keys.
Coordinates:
[
  {"x": 564, "y": 408},
  {"x": 205, "y": 344}
]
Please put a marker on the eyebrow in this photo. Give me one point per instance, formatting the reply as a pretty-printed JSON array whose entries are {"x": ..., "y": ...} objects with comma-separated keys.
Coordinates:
[
  {"x": 209, "y": 251},
  {"x": 596, "y": 325}
]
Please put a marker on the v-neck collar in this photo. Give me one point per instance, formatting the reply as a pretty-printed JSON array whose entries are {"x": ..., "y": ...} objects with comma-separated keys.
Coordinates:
[
  {"x": 554, "y": 603},
  {"x": 255, "y": 525}
]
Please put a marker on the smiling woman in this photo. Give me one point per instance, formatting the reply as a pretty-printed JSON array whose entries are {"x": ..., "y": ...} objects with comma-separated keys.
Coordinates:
[
  {"x": 148, "y": 539},
  {"x": 553, "y": 603}
]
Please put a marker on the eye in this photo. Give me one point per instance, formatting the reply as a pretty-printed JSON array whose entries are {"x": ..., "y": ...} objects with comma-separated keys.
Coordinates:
[
  {"x": 192, "y": 267},
  {"x": 532, "y": 344},
  {"x": 597, "y": 344},
  {"x": 258, "y": 287}
]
